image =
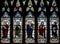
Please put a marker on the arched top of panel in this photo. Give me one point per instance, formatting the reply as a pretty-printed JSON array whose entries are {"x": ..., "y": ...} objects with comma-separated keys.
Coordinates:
[
  {"x": 54, "y": 14},
  {"x": 18, "y": 15},
  {"x": 30, "y": 14},
  {"x": 42, "y": 15},
  {"x": 5, "y": 15}
]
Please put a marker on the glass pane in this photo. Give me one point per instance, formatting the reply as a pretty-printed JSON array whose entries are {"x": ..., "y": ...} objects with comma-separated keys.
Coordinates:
[
  {"x": 42, "y": 28},
  {"x": 5, "y": 28},
  {"x": 36, "y": 1},
  {"x": 54, "y": 28},
  {"x": 30, "y": 28},
  {"x": 24, "y": 1},
  {"x": 17, "y": 28},
  {"x": 42, "y": 7}
]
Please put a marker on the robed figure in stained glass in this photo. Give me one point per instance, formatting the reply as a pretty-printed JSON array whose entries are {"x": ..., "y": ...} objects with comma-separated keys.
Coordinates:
[
  {"x": 42, "y": 28},
  {"x": 17, "y": 28},
  {"x": 29, "y": 28},
  {"x": 5, "y": 28},
  {"x": 54, "y": 28}
]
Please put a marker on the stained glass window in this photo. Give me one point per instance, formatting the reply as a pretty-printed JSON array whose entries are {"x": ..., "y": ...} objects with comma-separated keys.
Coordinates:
[
  {"x": 5, "y": 28},
  {"x": 42, "y": 28},
  {"x": 54, "y": 28},
  {"x": 17, "y": 28},
  {"x": 30, "y": 28}
]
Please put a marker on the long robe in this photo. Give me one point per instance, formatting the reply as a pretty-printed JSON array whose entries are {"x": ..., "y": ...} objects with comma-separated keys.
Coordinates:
[
  {"x": 29, "y": 31},
  {"x": 17, "y": 31},
  {"x": 41, "y": 30},
  {"x": 5, "y": 31},
  {"x": 54, "y": 30}
]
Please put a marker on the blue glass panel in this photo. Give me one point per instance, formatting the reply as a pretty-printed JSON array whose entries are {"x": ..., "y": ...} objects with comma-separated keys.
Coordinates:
[
  {"x": 30, "y": 15},
  {"x": 17, "y": 15},
  {"x": 42, "y": 14},
  {"x": 5, "y": 14}
]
